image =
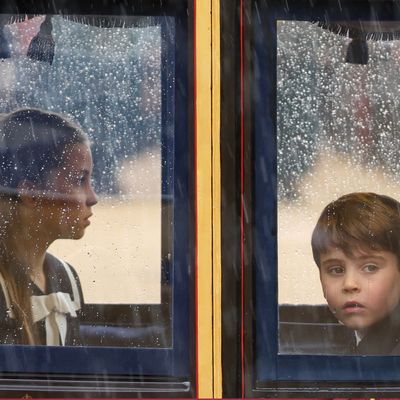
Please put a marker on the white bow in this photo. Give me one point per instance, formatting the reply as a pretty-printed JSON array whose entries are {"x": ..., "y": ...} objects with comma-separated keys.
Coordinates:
[{"x": 54, "y": 308}]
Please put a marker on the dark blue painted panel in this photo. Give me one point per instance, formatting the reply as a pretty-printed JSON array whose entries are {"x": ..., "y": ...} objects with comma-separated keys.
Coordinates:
[
  {"x": 169, "y": 362},
  {"x": 268, "y": 364}
]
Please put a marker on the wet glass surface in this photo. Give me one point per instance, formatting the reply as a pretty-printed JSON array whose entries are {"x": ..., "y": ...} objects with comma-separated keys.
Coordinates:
[
  {"x": 337, "y": 125},
  {"x": 105, "y": 74}
]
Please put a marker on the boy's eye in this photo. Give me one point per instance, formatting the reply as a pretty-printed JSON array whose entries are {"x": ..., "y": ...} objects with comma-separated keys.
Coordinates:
[
  {"x": 370, "y": 268},
  {"x": 336, "y": 270}
]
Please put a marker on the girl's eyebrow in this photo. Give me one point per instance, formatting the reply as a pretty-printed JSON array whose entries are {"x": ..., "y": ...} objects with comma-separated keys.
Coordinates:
[{"x": 83, "y": 171}]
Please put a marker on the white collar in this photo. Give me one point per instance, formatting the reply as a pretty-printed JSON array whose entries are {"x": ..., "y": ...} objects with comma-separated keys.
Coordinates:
[
  {"x": 53, "y": 308},
  {"x": 359, "y": 336}
]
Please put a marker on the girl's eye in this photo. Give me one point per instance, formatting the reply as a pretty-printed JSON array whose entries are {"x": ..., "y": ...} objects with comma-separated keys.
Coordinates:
[
  {"x": 370, "y": 268},
  {"x": 336, "y": 270},
  {"x": 81, "y": 180}
]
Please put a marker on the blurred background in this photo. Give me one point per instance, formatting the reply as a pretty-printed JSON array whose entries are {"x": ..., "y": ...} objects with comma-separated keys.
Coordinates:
[
  {"x": 338, "y": 132},
  {"x": 106, "y": 74}
]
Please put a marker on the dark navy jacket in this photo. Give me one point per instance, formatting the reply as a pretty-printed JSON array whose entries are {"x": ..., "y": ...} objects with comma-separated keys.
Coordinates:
[
  {"x": 57, "y": 281},
  {"x": 382, "y": 339}
]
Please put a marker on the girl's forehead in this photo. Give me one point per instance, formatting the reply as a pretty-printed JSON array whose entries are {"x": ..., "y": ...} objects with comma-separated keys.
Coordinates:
[
  {"x": 76, "y": 160},
  {"x": 75, "y": 154}
]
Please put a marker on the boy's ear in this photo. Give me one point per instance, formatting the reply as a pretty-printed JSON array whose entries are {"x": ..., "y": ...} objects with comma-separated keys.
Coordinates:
[{"x": 26, "y": 191}]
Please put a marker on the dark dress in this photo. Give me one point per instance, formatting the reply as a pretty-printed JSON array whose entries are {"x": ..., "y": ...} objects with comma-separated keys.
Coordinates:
[
  {"x": 382, "y": 339},
  {"x": 56, "y": 313}
]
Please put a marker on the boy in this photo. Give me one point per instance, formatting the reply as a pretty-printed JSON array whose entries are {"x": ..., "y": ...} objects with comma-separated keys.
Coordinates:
[{"x": 356, "y": 246}]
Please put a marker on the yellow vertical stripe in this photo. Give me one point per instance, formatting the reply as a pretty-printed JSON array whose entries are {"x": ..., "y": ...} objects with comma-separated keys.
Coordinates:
[
  {"x": 216, "y": 179},
  {"x": 208, "y": 198},
  {"x": 204, "y": 199}
]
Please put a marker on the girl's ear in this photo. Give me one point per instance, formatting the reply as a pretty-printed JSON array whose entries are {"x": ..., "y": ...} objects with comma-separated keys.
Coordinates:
[{"x": 27, "y": 192}]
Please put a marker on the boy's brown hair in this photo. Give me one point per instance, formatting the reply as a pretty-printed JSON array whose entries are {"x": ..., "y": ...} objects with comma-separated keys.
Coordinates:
[{"x": 364, "y": 221}]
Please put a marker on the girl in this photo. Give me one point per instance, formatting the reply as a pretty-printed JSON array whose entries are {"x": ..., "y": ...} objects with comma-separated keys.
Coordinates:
[{"x": 45, "y": 194}]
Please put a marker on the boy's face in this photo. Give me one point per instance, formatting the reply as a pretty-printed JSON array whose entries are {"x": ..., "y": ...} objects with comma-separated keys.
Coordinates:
[{"x": 360, "y": 289}]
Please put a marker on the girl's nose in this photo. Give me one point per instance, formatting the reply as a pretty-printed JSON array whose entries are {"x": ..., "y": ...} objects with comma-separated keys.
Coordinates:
[
  {"x": 92, "y": 197},
  {"x": 350, "y": 283}
]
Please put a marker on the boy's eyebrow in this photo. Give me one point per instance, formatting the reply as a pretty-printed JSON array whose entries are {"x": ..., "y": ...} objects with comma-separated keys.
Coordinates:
[
  {"x": 330, "y": 260},
  {"x": 362, "y": 257},
  {"x": 366, "y": 256}
]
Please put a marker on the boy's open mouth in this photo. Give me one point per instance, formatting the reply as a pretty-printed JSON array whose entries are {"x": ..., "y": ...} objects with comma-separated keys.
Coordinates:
[{"x": 352, "y": 304}]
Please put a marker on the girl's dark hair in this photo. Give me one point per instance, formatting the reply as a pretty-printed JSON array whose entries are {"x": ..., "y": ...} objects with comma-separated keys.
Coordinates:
[
  {"x": 32, "y": 142},
  {"x": 358, "y": 221}
]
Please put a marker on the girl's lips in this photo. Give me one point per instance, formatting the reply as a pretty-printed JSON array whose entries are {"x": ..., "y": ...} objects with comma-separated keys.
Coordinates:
[{"x": 86, "y": 220}]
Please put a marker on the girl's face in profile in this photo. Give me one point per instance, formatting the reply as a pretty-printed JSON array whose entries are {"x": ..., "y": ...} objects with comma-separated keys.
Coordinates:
[{"x": 66, "y": 213}]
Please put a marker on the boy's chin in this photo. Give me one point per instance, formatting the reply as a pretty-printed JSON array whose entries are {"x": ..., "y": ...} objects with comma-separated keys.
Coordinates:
[
  {"x": 356, "y": 327},
  {"x": 356, "y": 324}
]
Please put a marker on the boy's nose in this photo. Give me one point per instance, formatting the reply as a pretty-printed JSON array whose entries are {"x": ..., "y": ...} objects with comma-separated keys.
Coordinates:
[{"x": 350, "y": 283}]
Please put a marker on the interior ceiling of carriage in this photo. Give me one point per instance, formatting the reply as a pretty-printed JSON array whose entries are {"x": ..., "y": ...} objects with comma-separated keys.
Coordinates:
[
  {"x": 42, "y": 45},
  {"x": 361, "y": 31},
  {"x": 370, "y": 30}
]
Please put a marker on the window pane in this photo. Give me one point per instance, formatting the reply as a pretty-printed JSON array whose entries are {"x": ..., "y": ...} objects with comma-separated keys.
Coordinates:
[
  {"x": 111, "y": 76},
  {"x": 337, "y": 134},
  {"x": 323, "y": 113}
]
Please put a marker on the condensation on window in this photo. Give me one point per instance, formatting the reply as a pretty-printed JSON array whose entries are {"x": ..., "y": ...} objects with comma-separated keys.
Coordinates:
[
  {"x": 338, "y": 132},
  {"x": 338, "y": 127},
  {"x": 108, "y": 79}
]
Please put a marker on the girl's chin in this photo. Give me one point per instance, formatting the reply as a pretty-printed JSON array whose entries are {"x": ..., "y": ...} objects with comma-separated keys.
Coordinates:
[
  {"x": 78, "y": 233},
  {"x": 78, "y": 236},
  {"x": 74, "y": 233}
]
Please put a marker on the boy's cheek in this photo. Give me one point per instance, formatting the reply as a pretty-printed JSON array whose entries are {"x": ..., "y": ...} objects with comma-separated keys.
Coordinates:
[
  {"x": 324, "y": 286},
  {"x": 330, "y": 295}
]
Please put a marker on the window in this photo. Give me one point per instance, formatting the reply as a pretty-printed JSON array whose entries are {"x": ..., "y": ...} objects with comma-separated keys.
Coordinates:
[
  {"x": 120, "y": 74},
  {"x": 319, "y": 122}
]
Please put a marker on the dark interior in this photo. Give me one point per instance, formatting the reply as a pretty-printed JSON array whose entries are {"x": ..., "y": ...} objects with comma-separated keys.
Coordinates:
[{"x": 309, "y": 329}]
